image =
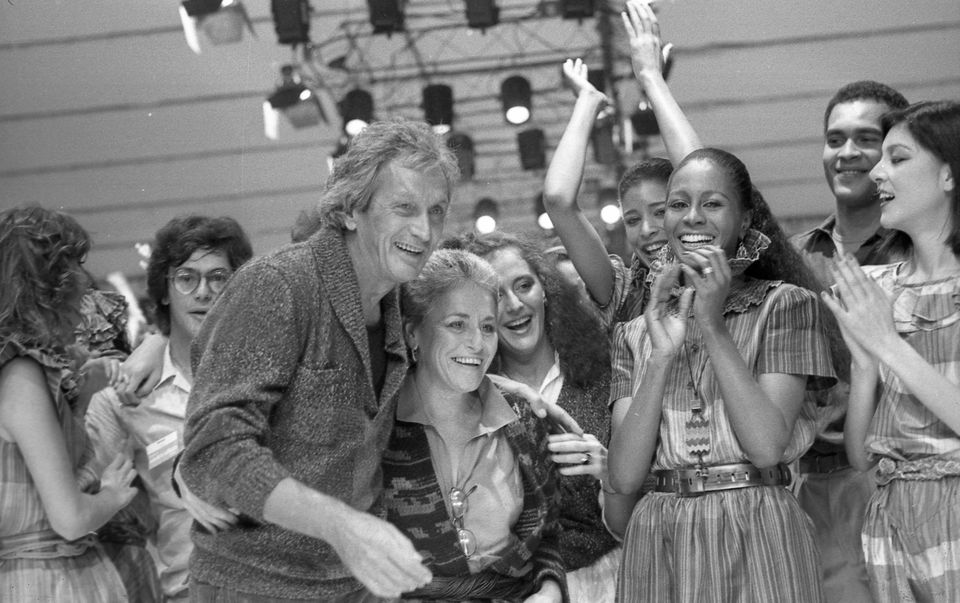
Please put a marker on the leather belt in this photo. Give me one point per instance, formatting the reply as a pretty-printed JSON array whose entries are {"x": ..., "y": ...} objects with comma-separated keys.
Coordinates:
[
  {"x": 824, "y": 463},
  {"x": 695, "y": 481}
]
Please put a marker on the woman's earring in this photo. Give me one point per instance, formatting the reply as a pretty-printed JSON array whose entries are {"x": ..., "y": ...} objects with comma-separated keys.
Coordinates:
[
  {"x": 414, "y": 352},
  {"x": 742, "y": 250}
]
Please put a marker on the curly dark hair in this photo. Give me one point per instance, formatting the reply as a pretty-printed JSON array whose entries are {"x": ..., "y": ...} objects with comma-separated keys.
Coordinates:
[
  {"x": 177, "y": 240},
  {"x": 865, "y": 90},
  {"x": 574, "y": 332},
  {"x": 780, "y": 261},
  {"x": 43, "y": 281}
]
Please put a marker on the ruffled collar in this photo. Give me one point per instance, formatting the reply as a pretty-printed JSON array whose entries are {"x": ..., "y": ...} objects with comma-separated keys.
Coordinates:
[
  {"x": 750, "y": 292},
  {"x": 926, "y": 306},
  {"x": 748, "y": 252},
  {"x": 59, "y": 362}
]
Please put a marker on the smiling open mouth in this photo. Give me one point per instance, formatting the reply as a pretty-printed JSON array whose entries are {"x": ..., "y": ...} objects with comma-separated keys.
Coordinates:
[
  {"x": 520, "y": 323},
  {"x": 695, "y": 240},
  {"x": 406, "y": 247},
  {"x": 467, "y": 360}
]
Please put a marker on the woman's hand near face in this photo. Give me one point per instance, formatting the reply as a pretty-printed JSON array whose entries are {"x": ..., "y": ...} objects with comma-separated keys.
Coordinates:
[
  {"x": 579, "y": 455},
  {"x": 707, "y": 270},
  {"x": 667, "y": 329},
  {"x": 862, "y": 308}
]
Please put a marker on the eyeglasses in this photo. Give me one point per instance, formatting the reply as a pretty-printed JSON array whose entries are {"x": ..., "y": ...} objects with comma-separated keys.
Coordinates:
[
  {"x": 458, "y": 504},
  {"x": 186, "y": 280}
]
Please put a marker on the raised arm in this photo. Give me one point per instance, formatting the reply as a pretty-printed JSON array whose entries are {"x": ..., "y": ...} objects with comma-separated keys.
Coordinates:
[
  {"x": 562, "y": 184},
  {"x": 28, "y": 418},
  {"x": 647, "y": 57}
]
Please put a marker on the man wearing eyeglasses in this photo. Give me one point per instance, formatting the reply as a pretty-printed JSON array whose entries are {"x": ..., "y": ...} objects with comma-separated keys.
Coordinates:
[{"x": 193, "y": 258}]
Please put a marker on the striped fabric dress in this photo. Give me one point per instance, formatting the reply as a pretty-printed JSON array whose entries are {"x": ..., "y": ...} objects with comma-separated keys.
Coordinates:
[
  {"x": 911, "y": 534},
  {"x": 85, "y": 576},
  {"x": 749, "y": 544}
]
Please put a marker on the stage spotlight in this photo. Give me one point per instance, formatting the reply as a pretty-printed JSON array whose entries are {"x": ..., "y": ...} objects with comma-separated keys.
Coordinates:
[
  {"x": 386, "y": 16},
  {"x": 543, "y": 219},
  {"x": 291, "y": 21},
  {"x": 516, "y": 95},
  {"x": 533, "y": 152},
  {"x": 482, "y": 14},
  {"x": 462, "y": 147},
  {"x": 438, "y": 107},
  {"x": 609, "y": 206},
  {"x": 576, "y": 9},
  {"x": 292, "y": 98},
  {"x": 222, "y": 21},
  {"x": 485, "y": 215},
  {"x": 356, "y": 110}
]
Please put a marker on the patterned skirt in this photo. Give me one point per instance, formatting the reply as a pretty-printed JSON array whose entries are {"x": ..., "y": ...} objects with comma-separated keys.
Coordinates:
[
  {"x": 746, "y": 545},
  {"x": 911, "y": 541}
]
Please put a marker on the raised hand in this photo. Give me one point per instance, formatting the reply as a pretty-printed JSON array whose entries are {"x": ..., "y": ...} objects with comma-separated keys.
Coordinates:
[
  {"x": 707, "y": 270},
  {"x": 647, "y": 52},
  {"x": 667, "y": 328},
  {"x": 863, "y": 310},
  {"x": 575, "y": 73}
]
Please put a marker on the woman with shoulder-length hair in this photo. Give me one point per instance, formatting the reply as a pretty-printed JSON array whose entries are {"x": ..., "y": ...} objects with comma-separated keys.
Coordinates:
[
  {"x": 466, "y": 473},
  {"x": 902, "y": 324},
  {"x": 557, "y": 345}
]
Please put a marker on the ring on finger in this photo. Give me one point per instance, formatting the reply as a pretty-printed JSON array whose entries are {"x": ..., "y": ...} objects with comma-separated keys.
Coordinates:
[
  {"x": 707, "y": 271},
  {"x": 586, "y": 458}
]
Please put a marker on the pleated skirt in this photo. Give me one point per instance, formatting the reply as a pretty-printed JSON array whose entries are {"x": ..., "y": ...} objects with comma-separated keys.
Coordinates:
[
  {"x": 746, "y": 545},
  {"x": 911, "y": 541}
]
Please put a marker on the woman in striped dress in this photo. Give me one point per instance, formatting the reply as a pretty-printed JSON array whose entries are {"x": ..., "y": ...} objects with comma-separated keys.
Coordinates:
[
  {"x": 902, "y": 324},
  {"x": 722, "y": 359},
  {"x": 47, "y": 551}
]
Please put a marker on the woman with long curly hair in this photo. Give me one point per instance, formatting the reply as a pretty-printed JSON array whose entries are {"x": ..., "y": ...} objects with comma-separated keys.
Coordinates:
[
  {"x": 553, "y": 343},
  {"x": 722, "y": 360},
  {"x": 46, "y": 551}
]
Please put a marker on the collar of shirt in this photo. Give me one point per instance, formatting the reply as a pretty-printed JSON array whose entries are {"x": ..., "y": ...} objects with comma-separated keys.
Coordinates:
[
  {"x": 549, "y": 390},
  {"x": 496, "y": 412},
  {"x": 170, "y": 374}
]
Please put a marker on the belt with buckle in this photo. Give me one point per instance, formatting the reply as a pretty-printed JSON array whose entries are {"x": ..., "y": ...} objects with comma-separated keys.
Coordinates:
[
  {"x": 695, "y": 481},
  {"x": 824, "y": 463}
]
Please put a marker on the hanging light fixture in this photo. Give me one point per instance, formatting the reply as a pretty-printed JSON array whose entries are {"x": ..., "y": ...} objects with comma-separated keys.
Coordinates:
[
  {"x": 291, "y": 21},
  {"x": 482, "y": 14},
  {"x": 532, "y": 146},
  {"x": 438, "y": 107},
  {"x": 516, "y": 95},
  {"x": 609, "y": 206},
  {"x": 485, "y": 215},
  {"x": 356, "y": 110},
  {"x": 222, "y": 21},
  {"x": 386, "y": 16},
  {"x": 543, "y": 218},
  {"x": 295, "y": 100},
  {"x": 462, "y": 147}
]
